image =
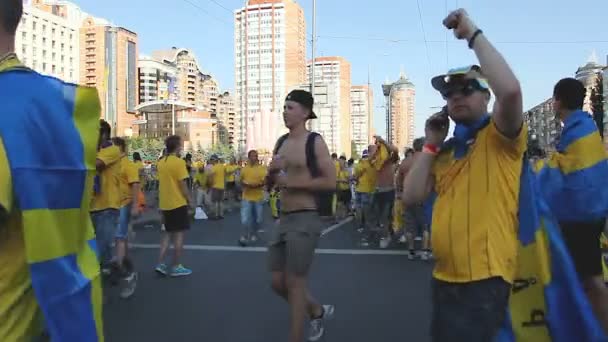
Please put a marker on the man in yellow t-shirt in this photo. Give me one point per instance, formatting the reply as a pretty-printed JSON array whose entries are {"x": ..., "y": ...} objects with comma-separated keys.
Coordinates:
[
  {"x": 365, "y": 176},
  {"x": 129, "y": 190},
  {"x": 105, "y": 204},
  {"x": 202, "y": 186},
  {"x": 253, "y": 177},
  {"x": 174, "y": 203},
  {"x": 231, "y": 170},
  {"x": 476, "y": 176},
  {"x": 218, "y": 184},
  {"x": 343, "y": 194}
]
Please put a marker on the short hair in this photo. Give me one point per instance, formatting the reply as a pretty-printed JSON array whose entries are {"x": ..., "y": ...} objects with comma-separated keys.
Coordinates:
[
  {"x": 10, "y": 15},
  {"x": 118, "y": 141},
  {"x": 250, "y": 152},
  {"x": 136, "y": 156},
  {"x": 351, "y": 161},
  {"x": 104, "y": 126},
  {"x": 172, "y": 143},
  {"x": 570, "y": 93},
  {"x": 418, "y": 144},
  {"x": 334, "y": 155}
]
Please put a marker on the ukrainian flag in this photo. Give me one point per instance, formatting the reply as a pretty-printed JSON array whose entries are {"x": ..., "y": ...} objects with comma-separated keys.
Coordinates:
[
  {"x": 50, "y": 132},
  {"x": 574, "y": 181},
  {"x": 380, "y": 157},
  {"x": 547, "y": 302}
]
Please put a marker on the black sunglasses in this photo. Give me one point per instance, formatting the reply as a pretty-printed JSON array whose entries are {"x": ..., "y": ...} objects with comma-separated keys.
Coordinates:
[{"x": 465, "y": 87}]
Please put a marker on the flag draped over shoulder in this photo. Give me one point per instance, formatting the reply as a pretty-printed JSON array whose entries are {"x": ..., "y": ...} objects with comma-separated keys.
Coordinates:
[
  {"x": 50, "y": 130},
  {"x": 574, "y": 181},
  {"x": 547, "y": 302},
  {"x": 380, "y": 157}
]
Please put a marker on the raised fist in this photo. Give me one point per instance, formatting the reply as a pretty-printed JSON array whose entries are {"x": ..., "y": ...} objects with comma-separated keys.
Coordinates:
[{"x": 461, "y": 23}]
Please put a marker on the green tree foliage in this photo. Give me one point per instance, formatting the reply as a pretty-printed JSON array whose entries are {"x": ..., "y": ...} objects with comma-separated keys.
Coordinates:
[{"x": 597, "y": 104}]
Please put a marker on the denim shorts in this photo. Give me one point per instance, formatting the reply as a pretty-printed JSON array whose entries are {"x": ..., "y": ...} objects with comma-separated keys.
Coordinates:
[
  {"x": 363, "y": 199},
  {"x": 124, "y": 219},
  {"x": 252, "y": 213},
  {"x": 469, "y": 312},
  {"x": 105, "y": 222}
]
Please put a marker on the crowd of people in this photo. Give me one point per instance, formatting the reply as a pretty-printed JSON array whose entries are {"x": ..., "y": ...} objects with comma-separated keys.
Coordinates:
[{"x": 500, "y": 226}]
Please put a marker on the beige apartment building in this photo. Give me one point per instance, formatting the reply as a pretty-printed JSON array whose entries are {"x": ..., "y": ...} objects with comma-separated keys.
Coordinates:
[
  {"x": 400, "y": 112},
  {"x": 361, "y": 113},
  {"x": 108, "y": 61},
  {"x": 335, "y": 72},
  {"x": 270, "y": 58}
]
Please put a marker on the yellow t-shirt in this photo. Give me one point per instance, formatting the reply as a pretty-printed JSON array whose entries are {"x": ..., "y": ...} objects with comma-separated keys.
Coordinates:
[
  {"x": 230, "y": 171},
  {"x": 20, "y": 316},
  {"x": 253, "y": 175},
  {"x": 367, "y": 180},
  {"x": 171, "y": 172},
  {"x": 343, "y": 180},
  {"x": 129, "y": 174},
  {"x": 475, "y": 221},
  {"x": 337, "y": 166},
  {"x": 219, "y": 176},
  {"x": 201, "y": 178},
  {"x": 109, "y": 197}
]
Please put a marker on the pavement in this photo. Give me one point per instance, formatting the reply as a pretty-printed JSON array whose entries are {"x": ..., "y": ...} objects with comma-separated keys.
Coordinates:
[{"x": 379, "y": 294}]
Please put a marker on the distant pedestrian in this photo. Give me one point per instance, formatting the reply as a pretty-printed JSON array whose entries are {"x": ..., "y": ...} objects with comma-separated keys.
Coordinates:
[{"x": 253, "y": 177}]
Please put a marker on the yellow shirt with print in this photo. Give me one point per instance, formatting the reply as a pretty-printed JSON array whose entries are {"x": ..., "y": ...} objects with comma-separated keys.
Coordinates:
[
  {"x": 366, "y": 182},
  {"x": 20, "y": 316},
  {"x": 109, "y": 196},
  {"x": 475, "y": 223},
  {"x": 230, "y": 172},
  {"x": 218, "y": 172},
  {"x": 129, "y": 174},
  {"x": 253, "y": 175},
  {"x": 343, "y": 180},
  {"x": 171, "y": 172}
]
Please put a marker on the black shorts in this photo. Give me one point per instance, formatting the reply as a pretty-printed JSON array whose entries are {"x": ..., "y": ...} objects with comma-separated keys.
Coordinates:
[
  {"x": 176, "y": 220},
  {"x": 344, "y": 196},
  {"x": 583, "y": 242},
  {"x": 230, "y": 186}
]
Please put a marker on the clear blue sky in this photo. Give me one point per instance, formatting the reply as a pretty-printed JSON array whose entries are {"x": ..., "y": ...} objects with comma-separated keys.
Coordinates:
[{"x": 525, "y": 31}]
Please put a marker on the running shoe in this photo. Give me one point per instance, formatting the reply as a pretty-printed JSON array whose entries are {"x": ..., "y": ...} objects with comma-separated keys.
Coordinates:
[
  {"x": 130, "y": 283},
  {"x": 161, "y": 269},
  {"x": 317, "y": 325},
  {"x": 180, "y": 271},
  {"x": 385, "y": 242}
]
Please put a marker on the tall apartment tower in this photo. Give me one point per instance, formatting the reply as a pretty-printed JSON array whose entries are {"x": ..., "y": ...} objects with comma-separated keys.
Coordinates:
[
  {"x": 270, "y": 58},
  {"x": 108, "y": 61},
  {"x": 335, "y": 72},
  {"x": 400, "y": 106},
  {"x": 48, "y": 38},
  {"x": 361, "y": 113}
]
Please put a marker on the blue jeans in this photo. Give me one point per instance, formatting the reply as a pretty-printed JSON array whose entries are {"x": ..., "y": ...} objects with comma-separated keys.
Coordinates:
[
  {"x": 471, "y": 312},
  {"x": 252, "y": 214},
  {"x": 105, "y": 222},
  {"x": 123, "y": 222}
]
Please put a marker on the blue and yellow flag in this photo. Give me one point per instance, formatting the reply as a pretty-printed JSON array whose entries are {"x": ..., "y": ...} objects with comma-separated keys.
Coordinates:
[
  {"x": 574, "y": 180},
  {"x": 381, "y": 156},
  {"x": 50, "y": 130},
  {"x": 547, "y": 302}
]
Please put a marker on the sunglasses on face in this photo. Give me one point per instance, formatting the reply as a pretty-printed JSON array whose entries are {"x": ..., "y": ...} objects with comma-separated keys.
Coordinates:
[{"x": 465, "y": 88}]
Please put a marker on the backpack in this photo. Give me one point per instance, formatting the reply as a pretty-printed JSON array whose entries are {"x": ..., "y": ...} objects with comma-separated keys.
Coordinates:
[{"x": 322, "y": 198}]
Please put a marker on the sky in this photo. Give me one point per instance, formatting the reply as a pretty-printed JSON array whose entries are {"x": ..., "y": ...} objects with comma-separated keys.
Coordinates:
[{"x": 542, "y": 40}]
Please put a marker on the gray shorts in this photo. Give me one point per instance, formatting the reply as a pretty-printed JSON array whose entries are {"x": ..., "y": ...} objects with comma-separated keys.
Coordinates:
[
  {"x": 415, "y": 220},
  {"x": 292, "y": 244}
]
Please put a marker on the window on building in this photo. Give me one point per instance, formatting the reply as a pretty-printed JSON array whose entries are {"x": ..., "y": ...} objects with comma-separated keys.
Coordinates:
[
  {"x": 43, "y": 40},
  {"x": 33, "y": 25},
  {"x": 43, "y": 66},
  {"x": 43, "y": 28},
  {"x": 34, "y": 37}
]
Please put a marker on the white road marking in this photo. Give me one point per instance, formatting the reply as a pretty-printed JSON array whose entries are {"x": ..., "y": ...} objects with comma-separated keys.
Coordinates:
[
  {"x": 330, "y": 251},
  {"x": 336, "y": 226}
]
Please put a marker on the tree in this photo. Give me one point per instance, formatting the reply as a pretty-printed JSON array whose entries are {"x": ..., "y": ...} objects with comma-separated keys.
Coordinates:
[
  {"x": 223, "y": 151},
  {"x": 597, "y": 104}
]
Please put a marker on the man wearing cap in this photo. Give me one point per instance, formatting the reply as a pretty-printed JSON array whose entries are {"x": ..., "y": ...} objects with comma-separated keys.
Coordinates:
[
  {"x": 476, "y": 176},
  {"x": 292, "y": 243},
  {"x": 365, "y": 176}
]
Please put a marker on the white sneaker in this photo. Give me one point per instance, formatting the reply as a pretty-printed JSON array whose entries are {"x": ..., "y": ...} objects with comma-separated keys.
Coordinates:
[
  {"x": 403, "y": 239},
  {"x": 130, "y": 284},
  {"x": 384, "y": 242},
  {"x": 424, "y": 256},
  {"x": 317, "y": 326},
  {"x": 254, "y": 238}
]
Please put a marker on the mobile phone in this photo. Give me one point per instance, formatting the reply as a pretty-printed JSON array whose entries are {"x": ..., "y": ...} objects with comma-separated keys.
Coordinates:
[{"x": 441, "y": 121}]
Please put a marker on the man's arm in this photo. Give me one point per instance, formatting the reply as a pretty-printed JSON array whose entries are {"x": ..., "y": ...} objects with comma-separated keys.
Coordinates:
[
  {"x": 106, "y": 157},
  {"x": 508, "y": 108},
  {"x": 183, "y": 187},
  {"x": 418, "y": 181}
]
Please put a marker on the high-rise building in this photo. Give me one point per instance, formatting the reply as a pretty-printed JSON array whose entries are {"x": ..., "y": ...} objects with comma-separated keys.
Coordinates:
[
  {"x": 48, "y": 38},
  {"x": 335, "y": 127},
  {"x": 589, "y": 74},
  {"x": 543, "y": 127},
  {"x": 361, "y": 109},
  {"x": 400, "y": 103},
  {"x": 108, "y": 61},
  {"x": 155, "y": 79},
  {"x": 227, "y": 120},
  {"x": 270, "y": 57}
]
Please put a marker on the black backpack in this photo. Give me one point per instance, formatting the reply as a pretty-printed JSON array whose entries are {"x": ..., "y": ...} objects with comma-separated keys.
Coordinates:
[{"x": 322, "y": 198}]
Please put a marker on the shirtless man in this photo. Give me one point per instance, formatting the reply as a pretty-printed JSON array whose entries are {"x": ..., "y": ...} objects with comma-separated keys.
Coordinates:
[
  {"x": 292, "y": 243},
  {"x": 384, "y": 197}
]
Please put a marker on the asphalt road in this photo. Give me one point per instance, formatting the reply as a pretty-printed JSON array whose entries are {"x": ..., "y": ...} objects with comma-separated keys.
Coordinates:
[{"x": 378, "y": 297}]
